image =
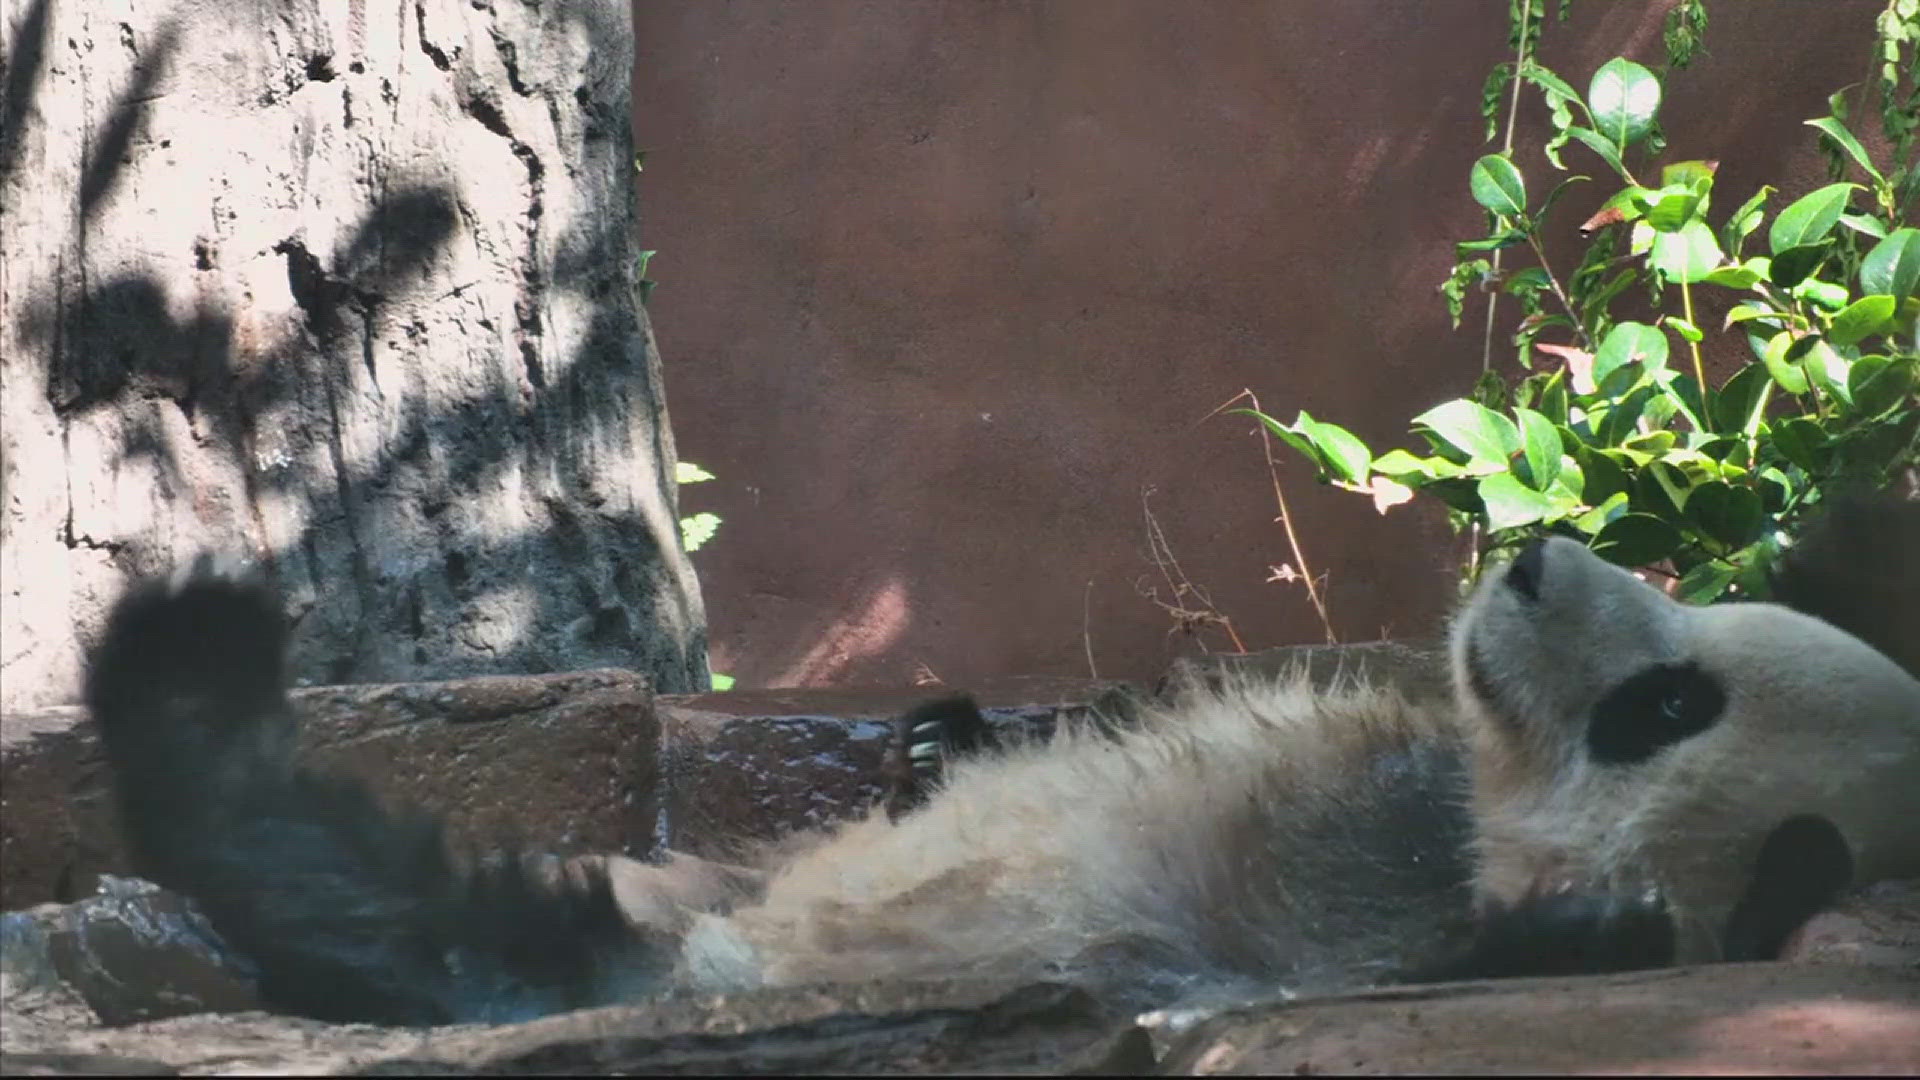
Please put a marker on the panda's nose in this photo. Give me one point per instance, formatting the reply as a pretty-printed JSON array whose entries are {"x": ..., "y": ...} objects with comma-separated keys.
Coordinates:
[{"x": 1524, "y": 573}]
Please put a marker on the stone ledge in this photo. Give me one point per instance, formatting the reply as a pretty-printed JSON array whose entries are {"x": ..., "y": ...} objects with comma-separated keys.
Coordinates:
[
  {"x": 1783, "y": 1018},
  {"x": 755, "y": 765}
]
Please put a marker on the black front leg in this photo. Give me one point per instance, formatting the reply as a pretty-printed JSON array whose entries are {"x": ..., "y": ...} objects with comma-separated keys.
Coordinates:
[
  {"x": 1803, "y": 867},
  {"x": 1563, "y": 934}
]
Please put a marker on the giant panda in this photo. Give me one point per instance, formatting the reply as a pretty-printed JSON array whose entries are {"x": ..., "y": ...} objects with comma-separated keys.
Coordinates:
[{"x": 1619, "y": 781}]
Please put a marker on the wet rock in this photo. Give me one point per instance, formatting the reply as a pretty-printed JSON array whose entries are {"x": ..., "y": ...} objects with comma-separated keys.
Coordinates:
[
  {"x": 134, "y": 952},
  {"x": 757, "y": 765}
]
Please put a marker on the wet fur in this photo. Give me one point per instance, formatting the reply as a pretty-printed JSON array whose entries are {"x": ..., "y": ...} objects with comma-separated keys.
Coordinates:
[{"x": 1243, "y": 839}]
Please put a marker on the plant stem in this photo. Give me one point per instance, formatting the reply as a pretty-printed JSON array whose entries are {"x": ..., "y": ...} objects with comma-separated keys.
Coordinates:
[
  {"x": 1560, "y": 294},
  {"x": 1286, "y": 517},
  {"x": 1699, "y": 369},
  {"x": 1506, "y": 147}
]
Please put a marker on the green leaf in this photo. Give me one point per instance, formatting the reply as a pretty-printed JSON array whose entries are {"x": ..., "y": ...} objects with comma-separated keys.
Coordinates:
[
  {"x": 1529, "y": 279},
  {"x": 1733, "y": 277},
  {"x": 1673, "y": 207},
  {"x": 1835, "y": 130},
  {"x": 1334, "y": 450},
  {"x": 1540, "y": 444},
  {"x": 1881, "y": 384},
  {"x": 1687, "y": 255},
  {"x": 1497, "y": 185},
  {"x": 1652, "y": 443},
  {"x": 1825, "y": 368},
  {"x": 1791, "y": 267},
  {"x": 1744, "y": 220},
  {"x": 1790, "y": 378},
  {"x": 1684, "y": 394},
  {"x": 1684, "y": 328},
  {"x": 1861, "y": 319},
  {"x": 697, "y": 530},
  {"x": 1706, "y": 582},
  {"x": 1345, "y": 456},
  {"x": 1400, "y": 465},
  {"x": 1598, "y": 143},
  {"x": 1623, "y": 98},
  {"x": 1809, "y": 219},
  {"x": 1510, "y": 503},
  {"x": 1735, "y": 403},
  {"x": 1893, "y": 266},
  {"x": 1552, "y": 86},
  {"x": 1604, "y": 476},
  {"x": 1287, "y": 434},
  {"x": 1688, "y": 173},
  {"x": 1487, "y": 438},
  {"x": 1626, "y": 343},
  {"x": 1801, "y": 441},
  {"x": 1492, "y": 243},
  {"x": 1729, "y": 515},
  {"x": 686, "y": 472},
  {"x": 1637, "y": 540},
  {"x": 1619, "y": 421},
  {"x": 1867, "y": 226},
  {"x": 1758, "y": 309},
  {"x": 1661, "y": 489},
  {"x": 722, "y": 682},
  {"x": 1602, "y": 515},
  {"x": 1630, "y": 203},
  {"x": 1822, "y": 294}
]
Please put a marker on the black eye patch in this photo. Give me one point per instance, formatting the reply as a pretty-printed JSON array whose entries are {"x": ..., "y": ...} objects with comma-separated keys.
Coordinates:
[{"x": 1655, "y": 708}]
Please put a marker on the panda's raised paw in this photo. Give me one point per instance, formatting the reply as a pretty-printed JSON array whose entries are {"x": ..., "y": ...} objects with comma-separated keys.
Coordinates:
[{"x": 924, "y": 739}]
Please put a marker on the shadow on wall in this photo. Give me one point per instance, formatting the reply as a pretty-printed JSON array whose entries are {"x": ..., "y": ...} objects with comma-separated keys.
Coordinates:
[{"x": 119, "y": 341}]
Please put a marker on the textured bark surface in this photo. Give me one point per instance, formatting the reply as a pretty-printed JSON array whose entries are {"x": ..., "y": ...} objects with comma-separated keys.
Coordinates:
[{"x": 347, "y": 286}]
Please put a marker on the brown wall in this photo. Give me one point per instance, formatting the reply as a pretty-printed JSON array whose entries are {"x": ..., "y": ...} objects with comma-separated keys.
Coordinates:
[{"x": 944, "y": 284}]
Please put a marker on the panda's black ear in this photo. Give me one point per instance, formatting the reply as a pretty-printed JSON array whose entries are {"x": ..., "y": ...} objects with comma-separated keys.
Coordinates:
[
  {"x": 1803, "y": 867},
  {"x": 1857, "y": 566}
]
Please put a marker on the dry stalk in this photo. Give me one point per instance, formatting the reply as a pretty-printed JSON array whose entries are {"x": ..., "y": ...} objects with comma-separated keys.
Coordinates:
[
  {"x": 1305, "y": 574},
  {"x": 1188, "y": 620}
]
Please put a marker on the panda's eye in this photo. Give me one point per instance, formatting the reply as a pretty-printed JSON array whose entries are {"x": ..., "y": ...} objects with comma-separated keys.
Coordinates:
[{"x": 1652, "y": 709}]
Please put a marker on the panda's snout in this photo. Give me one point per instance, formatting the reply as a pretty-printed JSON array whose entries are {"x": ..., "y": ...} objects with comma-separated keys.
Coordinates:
[{"x": 1524, "y": 573}]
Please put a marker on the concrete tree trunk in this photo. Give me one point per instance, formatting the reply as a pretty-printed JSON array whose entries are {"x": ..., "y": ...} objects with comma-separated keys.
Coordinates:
[{"x": 346, "y": 286}]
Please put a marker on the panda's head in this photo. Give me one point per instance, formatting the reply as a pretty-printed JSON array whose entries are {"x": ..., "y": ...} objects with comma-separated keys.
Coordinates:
[{"x": 1623, "y": 741}]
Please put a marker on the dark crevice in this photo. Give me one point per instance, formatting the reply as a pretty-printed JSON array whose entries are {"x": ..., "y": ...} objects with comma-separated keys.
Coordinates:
[
  {"x": 434, "y": 53},
  {"x": 510, "y": 60},
  {"x": 530, "y": 359}
]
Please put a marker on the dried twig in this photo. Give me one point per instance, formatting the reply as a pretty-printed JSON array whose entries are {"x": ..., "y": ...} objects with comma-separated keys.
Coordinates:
[
  {"x": 1189, "y": 620},
  {"x": 1305, "y": 573}
]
